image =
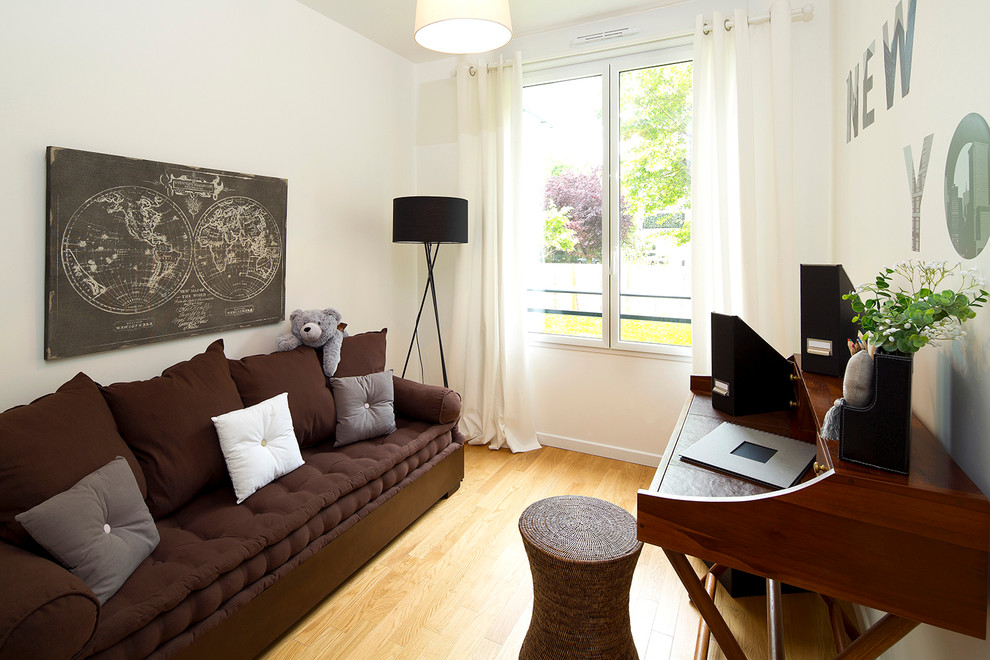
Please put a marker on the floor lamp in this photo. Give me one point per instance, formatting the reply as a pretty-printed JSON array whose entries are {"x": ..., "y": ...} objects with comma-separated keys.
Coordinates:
[{"x": 430, "y": 221}]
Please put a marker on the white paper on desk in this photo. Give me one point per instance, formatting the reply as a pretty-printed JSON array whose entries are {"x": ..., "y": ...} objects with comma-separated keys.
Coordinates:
[{"x": 773, "y": 460}]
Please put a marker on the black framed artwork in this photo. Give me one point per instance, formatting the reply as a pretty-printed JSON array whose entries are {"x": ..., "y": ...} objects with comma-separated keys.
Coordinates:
[{"x": 141, "y": 251}]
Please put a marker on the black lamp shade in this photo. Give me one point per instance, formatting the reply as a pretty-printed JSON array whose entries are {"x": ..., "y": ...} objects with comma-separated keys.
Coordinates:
[{"x": 429, "y": 220}]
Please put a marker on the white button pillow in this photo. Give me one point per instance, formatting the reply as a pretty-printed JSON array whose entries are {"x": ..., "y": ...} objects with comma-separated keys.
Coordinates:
[{"x": 258, "y": 444}]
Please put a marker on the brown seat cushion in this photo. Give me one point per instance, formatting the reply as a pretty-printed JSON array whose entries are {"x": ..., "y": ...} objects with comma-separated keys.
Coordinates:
[
  {"x": 49, "y": 445},
  {"x": 212, "y": 548},
  {"x": 362, "y": 354},
  {"x": 298, "y": 372},
  {"x": 167, "y": 422}
]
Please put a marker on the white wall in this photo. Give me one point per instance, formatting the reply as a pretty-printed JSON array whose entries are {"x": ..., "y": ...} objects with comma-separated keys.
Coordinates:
[
  {"x": 263, "y": 87},
  {"x": 872, "y": 210},
  {"x": 436, "y": 174},
  {"x": 607, "y": 403}
]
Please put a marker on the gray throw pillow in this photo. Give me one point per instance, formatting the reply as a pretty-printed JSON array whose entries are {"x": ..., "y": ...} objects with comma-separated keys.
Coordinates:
[
  {"x": 365, "y": 407},
  {"x": 99, "y": 529}
]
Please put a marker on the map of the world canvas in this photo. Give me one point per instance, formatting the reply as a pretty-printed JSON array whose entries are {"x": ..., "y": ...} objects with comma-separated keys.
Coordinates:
[{"x": 141, "y": 251}]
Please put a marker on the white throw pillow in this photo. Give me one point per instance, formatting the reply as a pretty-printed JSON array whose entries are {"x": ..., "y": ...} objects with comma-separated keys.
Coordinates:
[{"x": 259, "y": 444}]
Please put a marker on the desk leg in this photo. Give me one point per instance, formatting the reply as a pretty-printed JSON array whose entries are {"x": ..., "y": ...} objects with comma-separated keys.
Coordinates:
[
  {"x": 841, "y": 623},
  {"x": 696, "y": 591},
  {"x": 701, "y": 645},
  {"x": 878, "y": 638},
  {"x": 775, "y": 620}
]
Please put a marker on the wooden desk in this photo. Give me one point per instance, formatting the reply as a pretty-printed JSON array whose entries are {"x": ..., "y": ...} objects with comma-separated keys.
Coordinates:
[{"x": 913, "y": 545}]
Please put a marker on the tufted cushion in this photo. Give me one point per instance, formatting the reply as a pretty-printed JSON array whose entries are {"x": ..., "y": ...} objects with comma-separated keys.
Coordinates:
[
  {"x": 49, "y": 445},
  {"x": 213, "y": 550},
  {"x": 99, "y": 529},
  {"x": 365, "y": 407},
  {"x": 362, "y": 354},
  {"x": 298, "y": 372},
  {"x": 258, "y": 444},
  {"x": 166, "y": 421}
]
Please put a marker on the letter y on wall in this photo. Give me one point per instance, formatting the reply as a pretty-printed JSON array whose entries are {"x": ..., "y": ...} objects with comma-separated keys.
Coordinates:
[{"x": 916, "y": 183}]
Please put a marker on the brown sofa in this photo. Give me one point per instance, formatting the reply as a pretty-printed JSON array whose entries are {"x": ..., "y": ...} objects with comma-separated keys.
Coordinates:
[{"x": 225, "y": 579}]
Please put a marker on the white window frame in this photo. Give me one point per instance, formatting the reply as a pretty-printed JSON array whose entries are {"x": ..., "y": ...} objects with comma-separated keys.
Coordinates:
[{"x": 609, "y": 70}]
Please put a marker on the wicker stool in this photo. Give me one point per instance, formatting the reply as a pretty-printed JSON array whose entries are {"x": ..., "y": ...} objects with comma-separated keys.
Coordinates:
[{"x": 582, "y": 553}]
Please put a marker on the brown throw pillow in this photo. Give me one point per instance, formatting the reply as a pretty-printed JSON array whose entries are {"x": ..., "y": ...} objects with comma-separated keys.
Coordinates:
[
  {"x": 167, "y": 422},
  {"x": 362, "y": 354},
  {"x": 49, "y": 445},
  {"x": 298, "y": 372}
]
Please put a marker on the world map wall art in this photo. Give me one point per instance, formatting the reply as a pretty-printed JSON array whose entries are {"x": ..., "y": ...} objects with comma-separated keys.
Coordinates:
[{"x": 142, "y": 251}]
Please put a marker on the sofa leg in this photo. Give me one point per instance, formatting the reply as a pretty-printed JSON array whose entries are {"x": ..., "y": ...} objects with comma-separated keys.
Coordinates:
[{"x": 452, "y": 490}]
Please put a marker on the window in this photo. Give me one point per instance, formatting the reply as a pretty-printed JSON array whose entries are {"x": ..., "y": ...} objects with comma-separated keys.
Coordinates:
[{"x": 607, "y": 152}]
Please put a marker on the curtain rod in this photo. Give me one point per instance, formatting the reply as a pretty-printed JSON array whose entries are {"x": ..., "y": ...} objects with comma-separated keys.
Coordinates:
[{"x": 805, "y": 13}]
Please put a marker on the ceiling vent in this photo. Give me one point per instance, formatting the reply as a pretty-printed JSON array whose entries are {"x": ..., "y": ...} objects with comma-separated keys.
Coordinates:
[{"x": 605, "y": 35}]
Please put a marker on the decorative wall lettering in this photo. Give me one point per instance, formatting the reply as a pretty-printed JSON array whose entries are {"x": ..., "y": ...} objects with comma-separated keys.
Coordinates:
[
  {"x": 852, "y": 105},
  {"x": 898, "y": 48},
  {"x": 867, "y": 84},
  {"x": 902, "y": 44},
  {"x": 916, "y": 183},
  {"x": 967, "y": 186}
]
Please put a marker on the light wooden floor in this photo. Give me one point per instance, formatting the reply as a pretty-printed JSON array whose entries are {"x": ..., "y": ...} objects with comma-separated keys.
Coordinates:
[{"x": 457, "y": 584}]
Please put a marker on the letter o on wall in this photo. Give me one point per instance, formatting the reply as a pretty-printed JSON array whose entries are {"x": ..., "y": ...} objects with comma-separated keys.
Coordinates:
[{"x": 967, "y": 186}]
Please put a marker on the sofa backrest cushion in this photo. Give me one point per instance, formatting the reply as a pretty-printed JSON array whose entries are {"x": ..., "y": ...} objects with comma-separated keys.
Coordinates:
[
  {"x": 362, "y": 354},
  {"x": 49, "y": 445},
  {"x": 298, "y": 372},
  {"x": 167, "y": 422}
]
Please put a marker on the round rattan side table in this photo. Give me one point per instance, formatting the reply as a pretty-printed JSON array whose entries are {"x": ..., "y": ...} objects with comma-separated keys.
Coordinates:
[{"x": 582, "y": 553}]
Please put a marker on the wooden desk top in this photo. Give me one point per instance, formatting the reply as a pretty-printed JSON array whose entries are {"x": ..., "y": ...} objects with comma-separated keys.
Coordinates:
[{"x": 914, "y": 545}]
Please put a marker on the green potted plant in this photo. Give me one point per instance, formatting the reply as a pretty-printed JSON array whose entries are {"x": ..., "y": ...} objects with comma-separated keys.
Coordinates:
[{"x": 904, "y": 309}]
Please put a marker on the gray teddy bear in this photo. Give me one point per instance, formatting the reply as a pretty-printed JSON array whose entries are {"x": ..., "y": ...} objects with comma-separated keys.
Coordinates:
[{"x": 316, "y": 328}]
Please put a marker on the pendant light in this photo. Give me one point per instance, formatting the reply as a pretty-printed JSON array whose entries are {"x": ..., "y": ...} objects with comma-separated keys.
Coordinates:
[{"x": 463, "y": 26}]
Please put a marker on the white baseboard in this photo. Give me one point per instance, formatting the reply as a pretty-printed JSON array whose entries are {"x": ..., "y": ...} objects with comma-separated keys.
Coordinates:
[{"x": 596, "y": 449}]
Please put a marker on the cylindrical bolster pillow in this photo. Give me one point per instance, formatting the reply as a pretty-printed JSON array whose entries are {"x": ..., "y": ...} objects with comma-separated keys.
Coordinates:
[
  {"x": 429, "y": 403},
  {"x": 46, "y": 611}
]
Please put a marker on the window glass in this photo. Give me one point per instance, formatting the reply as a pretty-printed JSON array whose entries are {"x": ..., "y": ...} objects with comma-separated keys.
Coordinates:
[
  {"x": 655, "y": 204},
  {"x": 564, "y": 141},
  {"x": 611, "y": 257}
]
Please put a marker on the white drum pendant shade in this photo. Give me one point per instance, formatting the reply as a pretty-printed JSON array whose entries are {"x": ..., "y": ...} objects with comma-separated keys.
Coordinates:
[{"x": 463, "y": 26}]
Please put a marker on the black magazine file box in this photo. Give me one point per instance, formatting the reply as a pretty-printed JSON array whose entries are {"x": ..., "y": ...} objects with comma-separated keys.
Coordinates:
[
  {"x": 748, "y": 375},
  {"x": 879, "y": 433},
  {"x": 826, "y": 319}
]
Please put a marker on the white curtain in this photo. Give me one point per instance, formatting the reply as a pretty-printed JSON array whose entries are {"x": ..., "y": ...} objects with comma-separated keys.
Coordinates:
[
  {"x": 742, "y": 229},
  {"x": 487, "y": 340}
]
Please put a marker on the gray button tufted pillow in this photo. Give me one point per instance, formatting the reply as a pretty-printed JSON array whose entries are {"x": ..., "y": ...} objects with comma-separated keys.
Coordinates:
[
  {"x": 99, "y": 529},
  {"x": 365, "y": 407}
]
